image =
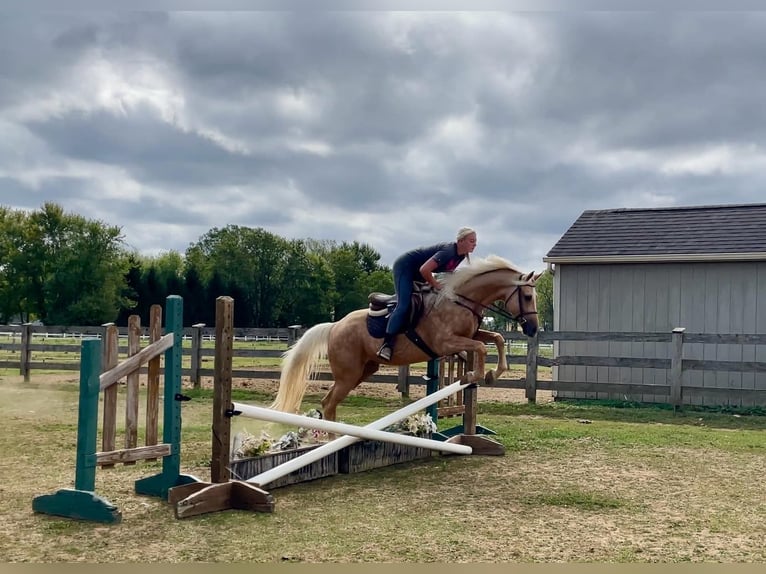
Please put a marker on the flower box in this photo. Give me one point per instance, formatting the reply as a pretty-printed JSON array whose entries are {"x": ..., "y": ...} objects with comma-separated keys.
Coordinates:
[
  {"x": 369, "y": 454},
  {"x": 246, "y": 468}
]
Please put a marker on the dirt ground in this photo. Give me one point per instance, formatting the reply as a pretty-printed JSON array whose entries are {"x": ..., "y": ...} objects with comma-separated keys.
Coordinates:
[
  {"x": 388, "y": 391},
  {"x": 374, "y": 390}
]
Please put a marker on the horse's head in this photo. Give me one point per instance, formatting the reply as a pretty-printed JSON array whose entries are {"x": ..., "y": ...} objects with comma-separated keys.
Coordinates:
[
  {"x": 521, "y": 303},
  {"x": 496, "y": 279}
]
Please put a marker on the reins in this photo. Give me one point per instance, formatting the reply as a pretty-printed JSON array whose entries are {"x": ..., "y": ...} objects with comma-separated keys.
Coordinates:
[{"x": 520, "y": 318}]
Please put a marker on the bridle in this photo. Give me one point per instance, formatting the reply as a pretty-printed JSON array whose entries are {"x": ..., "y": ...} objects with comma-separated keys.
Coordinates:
[{"x": 521, "y": 318}]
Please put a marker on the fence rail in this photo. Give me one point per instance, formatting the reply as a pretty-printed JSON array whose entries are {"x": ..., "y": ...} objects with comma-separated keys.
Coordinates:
[{"x": 197, "y": 357}]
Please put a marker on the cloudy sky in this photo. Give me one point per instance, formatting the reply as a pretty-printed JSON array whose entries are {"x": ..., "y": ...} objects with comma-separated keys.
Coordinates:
[{"x": 388, "y": 128}]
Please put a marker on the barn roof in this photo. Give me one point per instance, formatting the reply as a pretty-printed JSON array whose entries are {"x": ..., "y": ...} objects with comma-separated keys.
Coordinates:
[{"x": 701, "y": 233}]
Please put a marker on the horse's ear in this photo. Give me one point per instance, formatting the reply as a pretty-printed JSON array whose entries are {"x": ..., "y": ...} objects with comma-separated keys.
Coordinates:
[
  {"x": 537, "y": 276},
  {"x": 528, "y": 277}
]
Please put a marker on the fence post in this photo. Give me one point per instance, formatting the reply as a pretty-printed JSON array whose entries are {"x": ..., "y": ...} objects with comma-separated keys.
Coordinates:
[
  {"x": 432, "y": 386},
  {"x": 403, "y": 381},
  {"x": 131, "y": 389},
  {"x": 26, "y": 353},
  {"x": 109, "y": 360},
  {"x": 87, "y": 423},
  {"x": 474, "y": 370},
  {"x": 224, "y": 349},
  {"x": 676, "y": 366},
  {"x": 153, "y": 378},
  {"x": 292, "y": 335},
  {"x": 196, "y": 354},
  {"x": 82, "y": 502},
  {"x": 531, "y": 382},
  {"x": 160, "y": 484},
  {"x": 104, "y": 346}
]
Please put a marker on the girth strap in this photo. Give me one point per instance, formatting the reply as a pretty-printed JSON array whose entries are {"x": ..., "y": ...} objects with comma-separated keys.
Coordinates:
[{"x": 413, "y": 336}]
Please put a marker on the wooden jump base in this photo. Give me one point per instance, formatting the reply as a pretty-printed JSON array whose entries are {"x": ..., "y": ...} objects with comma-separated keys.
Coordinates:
[
  {"x": 223, "y": 493},
  {"x": 82, "y": 502}
]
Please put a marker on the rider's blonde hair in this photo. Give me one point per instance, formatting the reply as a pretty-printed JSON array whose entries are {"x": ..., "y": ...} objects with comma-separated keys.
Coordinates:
[{"x": 464, "y": 232}]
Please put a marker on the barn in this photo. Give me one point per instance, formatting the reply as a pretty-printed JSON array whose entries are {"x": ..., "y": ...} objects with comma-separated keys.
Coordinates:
[{"x": 699, "y": 268}]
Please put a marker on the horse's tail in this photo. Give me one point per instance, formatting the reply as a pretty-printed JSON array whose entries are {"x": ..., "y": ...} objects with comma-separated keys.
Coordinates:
[{"x": 298, "y": 365}]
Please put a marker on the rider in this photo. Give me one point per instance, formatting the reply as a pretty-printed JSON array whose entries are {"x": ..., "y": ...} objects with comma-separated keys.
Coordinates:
[{"x": 419, "y": 265}]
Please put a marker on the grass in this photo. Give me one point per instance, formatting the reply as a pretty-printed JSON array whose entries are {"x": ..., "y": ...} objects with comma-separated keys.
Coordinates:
[{"x": 580, "y": 482}]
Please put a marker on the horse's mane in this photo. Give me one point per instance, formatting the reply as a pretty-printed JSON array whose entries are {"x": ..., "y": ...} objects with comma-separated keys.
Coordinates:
[{"x": 463, "y": 275}]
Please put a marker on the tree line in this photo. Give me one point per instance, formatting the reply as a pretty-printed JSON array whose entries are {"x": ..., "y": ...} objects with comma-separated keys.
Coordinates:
[{"x": 63, "y": 269}]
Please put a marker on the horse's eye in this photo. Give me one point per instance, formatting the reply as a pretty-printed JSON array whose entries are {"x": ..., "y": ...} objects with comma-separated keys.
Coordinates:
[{"x": 527, "y": 297}]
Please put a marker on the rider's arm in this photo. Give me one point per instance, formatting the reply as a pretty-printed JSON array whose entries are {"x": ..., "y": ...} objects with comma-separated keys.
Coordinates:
[{"x": 426, "y": 270}]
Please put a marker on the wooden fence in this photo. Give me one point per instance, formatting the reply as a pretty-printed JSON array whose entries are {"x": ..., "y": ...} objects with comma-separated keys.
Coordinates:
[{"x": 198, "y": 361}]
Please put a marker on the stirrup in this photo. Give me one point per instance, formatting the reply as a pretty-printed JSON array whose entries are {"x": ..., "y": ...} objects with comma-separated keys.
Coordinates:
[{"x": 385, "y": 352}]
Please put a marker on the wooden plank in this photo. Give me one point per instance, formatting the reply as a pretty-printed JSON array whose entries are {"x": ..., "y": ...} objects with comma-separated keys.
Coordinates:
[
  {"x": 676, "y": 367},
  {"x": 55, "y": 347},
  {"x": 753, "y": 394},
  {"x": 26, "y": 354},
  {"x": 224, "y": 335},
  {"x": 131, "y": 390},
  {"x": 109, "y": 425},
  {"x": 717, "y": 366},
  {"x": 196, "y": 356},
  {"x": 46, "y": 366},
  {"x": 451, "y": 411},
  {"x": 592, "y": 387},
  {"x": 623, "y": 362},
  {"x": 228, "y": 495},
  {"x": 480, "y": 444},
  {"x": 131, "y": 455},
  {"x": 749, "y": 302},
  {"x": 74, "y": 331},
  {"x": 601, "y": 348},
  {"x": 731, "y": 339},
  {"x": 402, "y": 381},
  {"x": 613, "y": 336},
  {"x": 531, "y": 370},
  {"x": 759, "y": 381},
  {"x": 142, "y": 357},
  {"x": 249, "y": 353},
  {"x": 12, "y": 329},
  {"x": 153, "y": 378}
]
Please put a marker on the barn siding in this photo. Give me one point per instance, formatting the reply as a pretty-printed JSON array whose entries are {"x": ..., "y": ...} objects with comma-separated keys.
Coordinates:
[{"x": 702, "y": 297}]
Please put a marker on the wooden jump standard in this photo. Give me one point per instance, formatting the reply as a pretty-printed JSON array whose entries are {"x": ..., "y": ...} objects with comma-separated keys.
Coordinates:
[
  {"x": 82, "y": 502},
  {"x": 223, "y": 494}
]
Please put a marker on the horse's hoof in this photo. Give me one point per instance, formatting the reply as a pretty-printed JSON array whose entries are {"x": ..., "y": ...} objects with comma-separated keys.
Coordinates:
[
  {"x": 463, "y": 356},
  {"x": 490, "y": 378}
]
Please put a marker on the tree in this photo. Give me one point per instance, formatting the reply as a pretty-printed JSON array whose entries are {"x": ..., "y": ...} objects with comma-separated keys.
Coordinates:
[
  {"x": 134, "y": 290},
  {"x": 356, "y": 270},
  {"x": 76, "y": 268},
  {"x": 545, "y": 301},
  {"x": 307, "y": 287},
  {"x": 14, "y": 286},
  {"x": 250, "y": 260}
]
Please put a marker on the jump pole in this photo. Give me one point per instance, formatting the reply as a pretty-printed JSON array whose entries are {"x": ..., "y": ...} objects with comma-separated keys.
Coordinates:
[
  {"x": 273, "y": 416},
  {"x": 344, "y": 441}
]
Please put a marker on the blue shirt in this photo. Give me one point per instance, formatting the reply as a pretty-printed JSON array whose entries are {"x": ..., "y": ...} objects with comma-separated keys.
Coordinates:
[{"x": 445, "y": 255}]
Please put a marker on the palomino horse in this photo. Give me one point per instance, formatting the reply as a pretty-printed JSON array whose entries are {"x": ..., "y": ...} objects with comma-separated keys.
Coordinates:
[{"x": 449, "y": 325}]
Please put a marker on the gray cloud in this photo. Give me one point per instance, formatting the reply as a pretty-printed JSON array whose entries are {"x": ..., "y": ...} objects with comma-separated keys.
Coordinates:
[{"x": 389, "y": 128}]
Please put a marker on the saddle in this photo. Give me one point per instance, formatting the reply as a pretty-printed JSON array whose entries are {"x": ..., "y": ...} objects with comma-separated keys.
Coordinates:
[{"x": 381, "y": 305}]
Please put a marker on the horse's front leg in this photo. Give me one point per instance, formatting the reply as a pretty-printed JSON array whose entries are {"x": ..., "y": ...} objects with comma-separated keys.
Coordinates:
[
  {"x": 502, "y": 364},
  {"x": 455, "y": 344}
]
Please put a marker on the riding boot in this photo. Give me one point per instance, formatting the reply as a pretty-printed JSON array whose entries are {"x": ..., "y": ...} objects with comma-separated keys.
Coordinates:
[{"x": 386, "y": 350}]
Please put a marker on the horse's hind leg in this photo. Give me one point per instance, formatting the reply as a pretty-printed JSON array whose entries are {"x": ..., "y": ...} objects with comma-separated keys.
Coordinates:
[{"x": 342, "y": 387}]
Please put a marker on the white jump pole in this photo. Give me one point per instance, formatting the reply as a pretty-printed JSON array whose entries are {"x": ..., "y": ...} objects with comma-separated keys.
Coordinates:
[
  {"x": 270, "y": 415},
  {"x": 320, "y": 452}
]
